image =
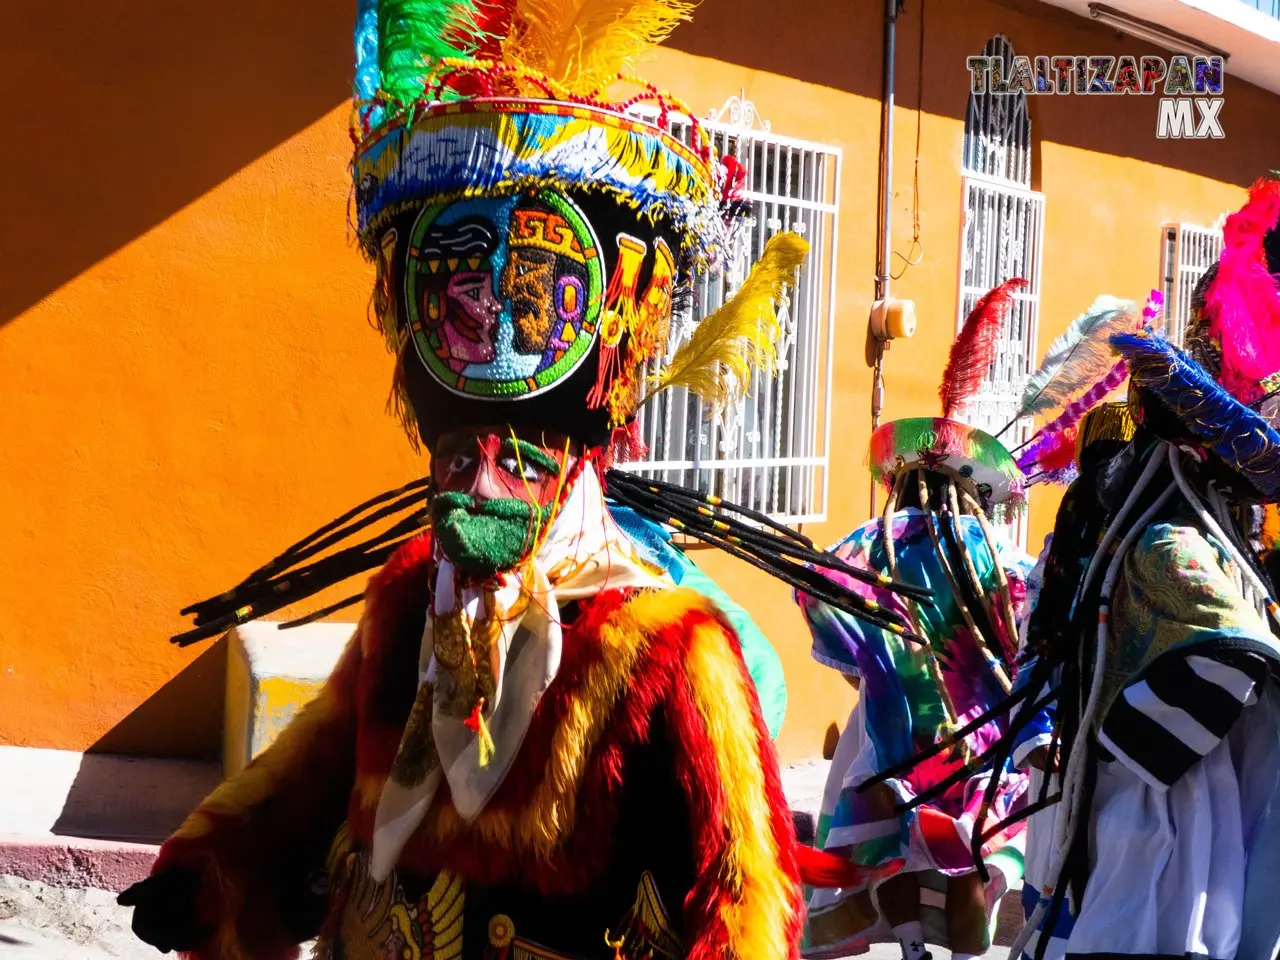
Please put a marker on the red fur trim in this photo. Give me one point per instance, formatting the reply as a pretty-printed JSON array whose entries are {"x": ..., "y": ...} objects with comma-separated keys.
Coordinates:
[
  {"x": 781, "y": 821},
  {"x": 254, "y": 840},
  {"x": 975, "y": 347},
  {"x": 707, "y": 935}
]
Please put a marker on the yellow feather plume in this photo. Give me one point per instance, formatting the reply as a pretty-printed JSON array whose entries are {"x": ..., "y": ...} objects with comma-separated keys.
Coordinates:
[
  {"x": 585, "y": 44},
  {"x": 716, "y": 361}
]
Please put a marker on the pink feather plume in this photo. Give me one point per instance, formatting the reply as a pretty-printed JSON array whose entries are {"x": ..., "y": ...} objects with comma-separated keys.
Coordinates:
[
  {"x": 975, "y": 347},
  {"x": 1243, "y": 301},
  {"x": 1154, "y": 306}
]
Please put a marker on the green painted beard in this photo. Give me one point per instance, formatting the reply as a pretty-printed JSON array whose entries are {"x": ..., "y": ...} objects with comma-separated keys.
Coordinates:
[{"x": 486, "y": 539}]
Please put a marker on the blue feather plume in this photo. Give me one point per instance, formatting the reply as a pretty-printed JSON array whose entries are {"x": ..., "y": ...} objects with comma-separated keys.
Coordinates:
[
  {"x": 1235, "y": 433},
  {"x": 368, "y": 77}
]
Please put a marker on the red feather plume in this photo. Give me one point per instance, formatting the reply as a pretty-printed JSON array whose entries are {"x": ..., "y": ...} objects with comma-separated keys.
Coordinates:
[
  {"x": 975, "y": 347},
  {"x": 493, "y": 24},
  {"x": 490, "y": 25},
  {"x": 1059, "y": 454}
]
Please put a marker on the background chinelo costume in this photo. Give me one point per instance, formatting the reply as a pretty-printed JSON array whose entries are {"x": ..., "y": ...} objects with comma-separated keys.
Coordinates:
[
  {"x": 893, "y": 818},
  {"x": 1158, "y": 631},
  {"x": 1103, "y": 433}
]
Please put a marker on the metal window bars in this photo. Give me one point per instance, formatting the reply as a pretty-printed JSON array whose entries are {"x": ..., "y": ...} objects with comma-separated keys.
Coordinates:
[
  {"x": 1186, "y": 253},
  {"x": 1002, "y": 236},
  {"x": 770, "y": 451},
  {"x": 997, "y": 129}
]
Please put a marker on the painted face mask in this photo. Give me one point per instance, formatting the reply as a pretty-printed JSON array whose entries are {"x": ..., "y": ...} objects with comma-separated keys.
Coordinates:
[{"x": 496, "y": 493}]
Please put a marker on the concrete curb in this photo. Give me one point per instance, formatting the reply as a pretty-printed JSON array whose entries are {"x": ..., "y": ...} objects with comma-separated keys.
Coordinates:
[{"x": 75, "y": 862}]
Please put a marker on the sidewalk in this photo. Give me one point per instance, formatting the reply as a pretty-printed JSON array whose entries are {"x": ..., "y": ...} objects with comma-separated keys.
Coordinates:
[{"x": 80, "y": 820}]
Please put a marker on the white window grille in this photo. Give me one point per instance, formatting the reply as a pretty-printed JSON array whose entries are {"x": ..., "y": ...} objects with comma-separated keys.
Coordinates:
[
  {"x": 769, "y": 452},
  {"x": 1002, "y": 236},
  {"x": 1186, "y": 253}
]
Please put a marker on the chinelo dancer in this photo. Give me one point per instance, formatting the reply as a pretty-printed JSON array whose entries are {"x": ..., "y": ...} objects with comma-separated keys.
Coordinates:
[
  {"x": 535, "y": 745},
  {"x": 920, "y": 734},
  {"x": 905, "y": 825},
  {"x": 1103, "y": 433},
  {"x": 1081, "y": 433},
  {"x": 1160, "y": 643}
]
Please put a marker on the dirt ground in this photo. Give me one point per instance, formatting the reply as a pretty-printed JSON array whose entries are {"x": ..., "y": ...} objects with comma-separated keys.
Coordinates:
[{"x": 39, "y": 922}]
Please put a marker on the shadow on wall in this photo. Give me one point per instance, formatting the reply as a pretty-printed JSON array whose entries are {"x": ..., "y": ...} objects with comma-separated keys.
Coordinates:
[
  {"x": 177, "y": 720},
  {"x": 124, "y": 113},
  {"x": 839, "y": 44},
  {"x": 119, "y": 797}
]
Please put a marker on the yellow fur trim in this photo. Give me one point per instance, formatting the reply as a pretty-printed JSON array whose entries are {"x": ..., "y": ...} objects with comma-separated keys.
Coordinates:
[
  {"x": 759, "y": 914},
  {"x": 549, "y": 817}
]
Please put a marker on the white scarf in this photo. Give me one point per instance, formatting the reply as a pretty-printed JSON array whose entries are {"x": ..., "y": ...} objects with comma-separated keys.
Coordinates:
[{"x": 584, "y": 553}]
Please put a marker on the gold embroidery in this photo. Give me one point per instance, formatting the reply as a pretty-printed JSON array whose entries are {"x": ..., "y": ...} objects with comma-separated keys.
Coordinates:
[
  {"x": 644, "y": 934},
  {"x": 376, "y": 921}
]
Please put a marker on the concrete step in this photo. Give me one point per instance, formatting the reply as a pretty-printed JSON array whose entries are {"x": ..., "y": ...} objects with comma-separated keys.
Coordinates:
[{"x": 104, "y": 796}]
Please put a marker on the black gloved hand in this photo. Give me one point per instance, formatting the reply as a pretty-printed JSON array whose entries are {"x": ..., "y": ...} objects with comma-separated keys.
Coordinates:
[{"x": 164, "y": 910}]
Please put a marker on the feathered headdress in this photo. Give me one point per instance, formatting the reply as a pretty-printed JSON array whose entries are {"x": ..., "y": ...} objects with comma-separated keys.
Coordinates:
[
  {"x": 1243, "y": 301},
  {"x": 975, "y": 348},
  {"x": 1078, "y": 358},
  {"x": 946, "y": 443},
  {"x": 585, "y": 45},
  {"x": 716, "y": 361},
  {"x": 1240, "y": 437},
  {"x": 464, "y": 104},
  {"x": 1079, "y": 371}
]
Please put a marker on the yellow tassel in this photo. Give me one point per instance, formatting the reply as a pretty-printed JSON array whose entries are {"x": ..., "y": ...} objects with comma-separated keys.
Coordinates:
[
  {"x": 585, "y": 44},
  {"x": 716, "y": 362},
  {"x": 486, "y": 744}
]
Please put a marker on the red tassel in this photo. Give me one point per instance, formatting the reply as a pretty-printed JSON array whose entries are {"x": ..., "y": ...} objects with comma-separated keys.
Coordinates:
[
  {"x": 473, "y": 722},
  {"x": 975, "y": 348},
  {"x": 629, "y": 445}
]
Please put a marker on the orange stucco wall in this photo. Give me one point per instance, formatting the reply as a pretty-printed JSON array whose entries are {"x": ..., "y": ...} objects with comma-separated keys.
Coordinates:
[{"x": 187, "y": 383}]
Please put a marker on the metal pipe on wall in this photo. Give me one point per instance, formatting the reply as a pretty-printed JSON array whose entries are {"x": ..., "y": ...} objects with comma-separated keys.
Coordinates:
[{"x": 886, "y": 197}]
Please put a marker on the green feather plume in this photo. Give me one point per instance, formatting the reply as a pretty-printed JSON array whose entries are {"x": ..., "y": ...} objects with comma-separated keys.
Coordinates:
[{"x": 415, "y": 33}]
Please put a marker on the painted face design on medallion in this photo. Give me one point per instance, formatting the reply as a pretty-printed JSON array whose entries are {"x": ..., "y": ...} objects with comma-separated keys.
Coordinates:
[
  {"x": 503, "y": 294},
  {"x": 457, "y": 302}
]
